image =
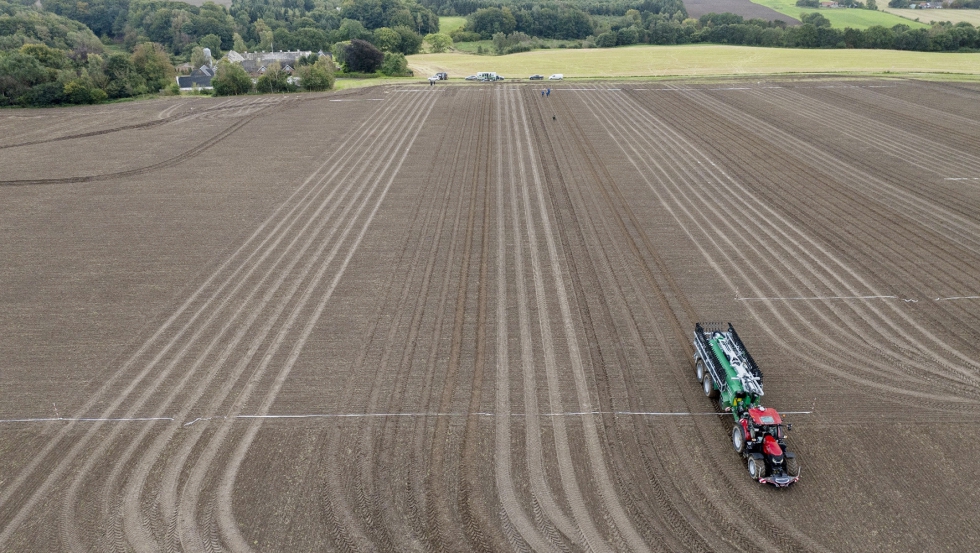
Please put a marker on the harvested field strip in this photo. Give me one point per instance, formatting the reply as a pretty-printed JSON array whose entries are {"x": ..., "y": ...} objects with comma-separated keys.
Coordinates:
[
  {"x": 740, "y": 196},
  {"x": 887, "y": 138},
  {"x": 144, "y": 372},
  {"x": 793, "y": 196},
  {"x": 621, "y": 119},
  {"x": 954, "y": 259},
  {"x": 758, "y": 278}
]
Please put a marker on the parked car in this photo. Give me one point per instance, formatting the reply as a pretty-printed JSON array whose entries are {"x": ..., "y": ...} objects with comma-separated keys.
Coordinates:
[
  {"x": 536, "y": 77},
  {"x": 556, "y": 77},
  {"x": 472, "y": 78}
]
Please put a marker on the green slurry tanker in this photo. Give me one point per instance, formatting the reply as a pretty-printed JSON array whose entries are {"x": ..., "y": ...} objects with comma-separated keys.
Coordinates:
[{"x": 729, "y": 374}]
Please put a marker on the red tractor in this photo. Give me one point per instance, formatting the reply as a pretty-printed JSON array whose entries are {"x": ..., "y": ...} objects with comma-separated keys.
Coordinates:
[{"x": 728, "y": 374}]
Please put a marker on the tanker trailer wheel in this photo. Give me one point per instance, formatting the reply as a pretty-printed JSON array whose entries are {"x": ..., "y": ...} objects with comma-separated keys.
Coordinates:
[
  {"x": 699, "y": 368},
  {"x": 738, "y": 439},
  {"x": 792, "y": 466},
  {"x": 709, "y": 387},
  {"x": 757, "y": 468}
]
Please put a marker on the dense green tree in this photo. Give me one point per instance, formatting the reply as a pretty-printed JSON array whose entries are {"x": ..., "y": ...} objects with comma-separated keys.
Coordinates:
[
  {"x": 231, "y": 79},
  {"x": 394, "y": 64},
  {"x": 318, "y": 76},
  {"x": 489, "y": 21},
  {"x": 274, "y": 79},
  {"x": 815, "y": 18},
  {"x": 411, "y": 41},
  {"x": 213, "y": 43},
  {"x": 439, "y": 42},
  {"x": 877, "y": 36},
  {"x": 124, "y": 79},
  {"x": 387, "y": 39},
  {"x": 363, "y": 57},
  {"x": 153, "y": 64}
]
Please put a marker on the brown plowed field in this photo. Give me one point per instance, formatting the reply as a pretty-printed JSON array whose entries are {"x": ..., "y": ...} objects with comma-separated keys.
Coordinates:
[{"x": 458, "y": 318}]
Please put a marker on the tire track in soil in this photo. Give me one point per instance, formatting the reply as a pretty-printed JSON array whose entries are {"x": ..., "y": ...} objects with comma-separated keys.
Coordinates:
[
  {"x": 734, "y": 530},
  {"x": 440, "y": 510},
  {"x": 588, "y": 161},
  {"x": 170, "y": 117},
  {"x": 478, "y": 518},
  {"x": 378, "y": 466},
  {"x": 917, "y": 119},
  {"x": 170, "y": 321},
  {"x": 891, "y": 140},
  {"x": 620, "y": 528},
  {"x": 883, "y": 318},
  {"x": 523, "y": 533},
  {"x": 874, "y": 242},
  {"x": 746, "y": 138},
  {"x": 149, "y": 457},
  {"x": 448, "y": 176},
  {"x": 584, "y": 277},
  {"x": 170, "y": 162},
  {"x": 369, "y": 208},
  {"x": 769, "y": 525},
  {"x": 346, "y": 531},
  {"x": 458, "y": 170},
  {"x": 777, "y": 336},
  {"x": 894, "y": 186},
  {"x": 893, "y": 238},
  {"x": 43, "y": 482},
  {"x": 549, "y": 517}
]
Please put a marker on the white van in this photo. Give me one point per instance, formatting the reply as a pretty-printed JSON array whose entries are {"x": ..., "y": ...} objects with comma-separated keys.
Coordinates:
[
  {"x": 556, "y": 77},
  {"x": 488, "y": 76}
]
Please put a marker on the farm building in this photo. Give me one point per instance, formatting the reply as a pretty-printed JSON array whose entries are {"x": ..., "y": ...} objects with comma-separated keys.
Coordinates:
[
  {"x": 255, "y": 63},
  {"x": 200, "y": 78}
]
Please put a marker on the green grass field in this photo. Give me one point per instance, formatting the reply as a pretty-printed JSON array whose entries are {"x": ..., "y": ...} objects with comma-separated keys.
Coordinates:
[
  {"x": 449, "y": 24},
  {"x": 842, "y": 17},
  {"x": 927, "y": 16},
  {"x": 696, "y": 60}
]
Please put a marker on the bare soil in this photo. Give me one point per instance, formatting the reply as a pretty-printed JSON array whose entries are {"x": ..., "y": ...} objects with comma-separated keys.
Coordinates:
[
  {"x": 745, "y": 8},
  {"x": 459, "y": 319}
]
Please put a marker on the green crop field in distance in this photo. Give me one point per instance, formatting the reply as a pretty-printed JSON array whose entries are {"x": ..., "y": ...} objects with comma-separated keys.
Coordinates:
[
  {"x": 696, "y": 60},
  {"x": 448, "y": 24},
  {"x": 928, "y": 16},
  {"x": 842, "y": 17}
]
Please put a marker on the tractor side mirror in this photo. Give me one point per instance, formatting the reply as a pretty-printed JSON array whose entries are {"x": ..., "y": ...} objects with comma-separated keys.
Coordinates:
[{"x": 789, "y": 427}]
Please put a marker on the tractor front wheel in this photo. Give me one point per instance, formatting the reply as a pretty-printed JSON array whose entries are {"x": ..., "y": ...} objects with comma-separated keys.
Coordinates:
[
  {"x": 738, "y": 439},
  {"x": 757, "y": 468},
  {"x": 792, "y": 466}
]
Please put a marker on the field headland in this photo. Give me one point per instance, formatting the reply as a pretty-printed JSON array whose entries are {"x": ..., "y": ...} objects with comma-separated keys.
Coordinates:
[{"x": 697, "y": 60}]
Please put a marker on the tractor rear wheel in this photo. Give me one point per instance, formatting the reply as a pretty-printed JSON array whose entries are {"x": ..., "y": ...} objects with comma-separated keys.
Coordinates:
[
  {"x": 709, "y": 387},
  {"x": 699, "y": 368},
  {"x": 757, "y": 468},
  {"x": 792, "y": 466},
  {"x": 738, "y": 439}
]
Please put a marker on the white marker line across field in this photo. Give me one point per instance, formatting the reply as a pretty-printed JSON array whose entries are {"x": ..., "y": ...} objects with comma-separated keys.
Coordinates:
[
  {"x": 962, "y": 178},
  {"x": 66, "y": 419},
  {"x": 959, "y": 298},
  {"x": 819, "y": 298},
  {"x": 361, "y": 100}
]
